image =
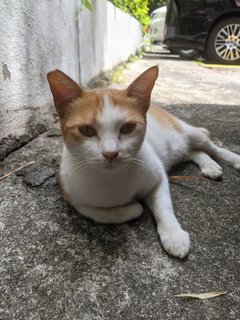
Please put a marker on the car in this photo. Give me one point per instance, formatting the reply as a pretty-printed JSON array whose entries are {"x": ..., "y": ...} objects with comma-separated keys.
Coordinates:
[
  {"x": 157, "y": 26},
  {"x": 211, "y": 27}
]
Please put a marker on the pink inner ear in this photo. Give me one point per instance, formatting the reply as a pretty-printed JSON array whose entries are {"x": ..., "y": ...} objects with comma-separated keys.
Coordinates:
[
  {"x": 141, "y": 88},
  {"x": 64, "y": 90}
]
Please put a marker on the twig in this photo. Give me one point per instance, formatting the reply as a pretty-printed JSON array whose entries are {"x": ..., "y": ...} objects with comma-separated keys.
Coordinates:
[
  {"x": 20, "y": 168},
  {"x": 177, "y": 178}
]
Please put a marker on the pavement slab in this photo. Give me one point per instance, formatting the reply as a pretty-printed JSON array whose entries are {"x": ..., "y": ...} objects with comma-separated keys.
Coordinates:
[{"x": 56, "y": 264}]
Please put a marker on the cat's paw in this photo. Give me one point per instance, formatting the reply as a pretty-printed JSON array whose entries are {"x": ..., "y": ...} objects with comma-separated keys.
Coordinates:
[
  {"x": 126, "y": 213},
  {"x": 176, "y": 242},
  {"x": 213, "y": 172},
  {"x": 205, "y": 131},
  {"x": 237, "y": 164},
  {"x": 134, "y": 211}
]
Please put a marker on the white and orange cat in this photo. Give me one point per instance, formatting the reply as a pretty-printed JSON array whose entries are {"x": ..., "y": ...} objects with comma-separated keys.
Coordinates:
[{"x": 116, "y": 154}]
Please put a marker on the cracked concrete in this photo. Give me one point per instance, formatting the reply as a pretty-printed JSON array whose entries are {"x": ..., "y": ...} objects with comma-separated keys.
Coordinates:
[
  {"x": 56, "y": 264},
  {"x": 23, "y": 126}
]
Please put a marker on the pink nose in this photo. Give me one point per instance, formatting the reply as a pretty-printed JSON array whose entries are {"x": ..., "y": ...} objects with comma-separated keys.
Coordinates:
[{"x": 110, "y": 155}]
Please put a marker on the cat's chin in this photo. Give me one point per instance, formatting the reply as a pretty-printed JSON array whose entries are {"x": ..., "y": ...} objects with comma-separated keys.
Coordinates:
[{"x": 111, "y": 167}]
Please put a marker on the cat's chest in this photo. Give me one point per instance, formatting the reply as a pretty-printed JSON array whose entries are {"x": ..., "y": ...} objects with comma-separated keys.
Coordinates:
[{"x": 107, "y": 190}]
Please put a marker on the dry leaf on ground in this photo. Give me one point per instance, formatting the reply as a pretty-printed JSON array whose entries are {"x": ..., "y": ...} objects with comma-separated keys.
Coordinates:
[{"x": 202, "y": 296}]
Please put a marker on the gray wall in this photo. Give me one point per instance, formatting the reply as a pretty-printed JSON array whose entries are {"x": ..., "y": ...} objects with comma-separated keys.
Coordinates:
[{"x": 39, "y": 36}]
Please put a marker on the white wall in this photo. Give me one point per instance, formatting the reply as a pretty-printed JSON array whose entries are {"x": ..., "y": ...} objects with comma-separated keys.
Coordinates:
[
  {"x": 107, "y": 36},
  {"x": 35, "y": 37},
  {"x": 39, "y": 36}
]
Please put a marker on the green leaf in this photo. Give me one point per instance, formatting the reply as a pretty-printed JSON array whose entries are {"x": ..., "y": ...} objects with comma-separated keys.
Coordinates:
[
  {"x": 137, "y": 8},
  {"x": 87, "y": 4}
]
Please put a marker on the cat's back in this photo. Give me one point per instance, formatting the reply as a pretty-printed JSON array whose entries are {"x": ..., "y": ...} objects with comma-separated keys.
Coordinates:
[
  {"x": 167, "y": 135},
  {"x": 165, "y": 119}
]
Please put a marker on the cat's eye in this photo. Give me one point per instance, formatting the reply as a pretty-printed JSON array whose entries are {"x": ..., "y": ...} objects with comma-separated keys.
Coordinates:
[
  {"x": 88, "y": 131},
  {"x": 128, "y": 128}
]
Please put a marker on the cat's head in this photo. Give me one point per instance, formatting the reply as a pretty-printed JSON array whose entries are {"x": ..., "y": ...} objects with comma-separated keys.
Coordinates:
[{"x": 104, "y": 127}]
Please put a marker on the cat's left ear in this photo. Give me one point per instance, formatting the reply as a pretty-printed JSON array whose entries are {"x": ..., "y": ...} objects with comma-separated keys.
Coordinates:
[
  {"x": 64, "y": 90},
  {"x": 141, "y": 88}
]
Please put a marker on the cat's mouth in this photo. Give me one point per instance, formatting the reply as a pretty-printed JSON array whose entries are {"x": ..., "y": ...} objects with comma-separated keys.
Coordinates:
[{"x": 113, "y": 165}]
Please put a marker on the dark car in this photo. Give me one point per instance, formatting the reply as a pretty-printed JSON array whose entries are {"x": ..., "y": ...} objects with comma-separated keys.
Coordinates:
[{"x": 211, "y": 27}]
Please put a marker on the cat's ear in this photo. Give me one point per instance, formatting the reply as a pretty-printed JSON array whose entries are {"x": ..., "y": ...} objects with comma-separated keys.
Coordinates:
[
  {"x": 141, "y": 88},
  {"x": 64, "y": 90}
]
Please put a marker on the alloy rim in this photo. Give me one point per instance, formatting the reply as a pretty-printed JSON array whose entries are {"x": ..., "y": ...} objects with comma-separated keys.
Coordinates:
[{"x": 227, "y": 42}]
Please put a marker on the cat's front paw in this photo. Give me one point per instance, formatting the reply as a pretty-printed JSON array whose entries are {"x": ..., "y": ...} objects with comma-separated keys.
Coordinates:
[
  {"x": 213, "y": 172},
  {"x": 176, "y": 242},
  {"x": 134, "y": 210},
  {"x": 237, "y": 164}
]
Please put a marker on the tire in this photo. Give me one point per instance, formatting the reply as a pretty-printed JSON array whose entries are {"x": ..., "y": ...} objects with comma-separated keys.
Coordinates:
[
  {"x": 223, "y": 43},
  {"x": 187, "y": 54}
]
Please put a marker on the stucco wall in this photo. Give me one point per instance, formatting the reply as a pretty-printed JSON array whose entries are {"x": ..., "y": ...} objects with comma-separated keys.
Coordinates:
[
  {"x": 39, "y": 36},
  {"x": 112, "y": 36},
  {"x": 35, "y": 36}
]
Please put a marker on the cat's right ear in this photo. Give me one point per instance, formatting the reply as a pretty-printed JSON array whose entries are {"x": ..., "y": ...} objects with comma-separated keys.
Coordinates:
[
  {"x": 64, "y": 90},
  {"x": 141, "y": 88}
]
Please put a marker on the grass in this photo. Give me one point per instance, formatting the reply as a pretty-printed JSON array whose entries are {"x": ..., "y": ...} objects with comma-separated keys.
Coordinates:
[{"x": 116, "y": 74}]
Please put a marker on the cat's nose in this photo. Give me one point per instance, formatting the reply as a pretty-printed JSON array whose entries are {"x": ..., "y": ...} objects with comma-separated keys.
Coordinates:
[{"x": 110, "y": 155}]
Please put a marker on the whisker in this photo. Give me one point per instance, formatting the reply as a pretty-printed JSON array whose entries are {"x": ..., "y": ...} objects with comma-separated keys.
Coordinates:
[
  {"x": 80, "y": 168},
  {"x": 76, "y": 164},
  {"x": 131, "y": 169},
  {"x": 138, "y": 162}
]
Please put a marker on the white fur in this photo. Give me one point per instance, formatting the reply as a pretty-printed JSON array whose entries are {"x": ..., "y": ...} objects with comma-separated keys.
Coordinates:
[{"x": 109, "y": 192}]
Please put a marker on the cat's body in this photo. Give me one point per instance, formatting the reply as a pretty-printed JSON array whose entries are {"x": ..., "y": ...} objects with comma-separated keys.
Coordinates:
[{"x": 116, "y": 159}]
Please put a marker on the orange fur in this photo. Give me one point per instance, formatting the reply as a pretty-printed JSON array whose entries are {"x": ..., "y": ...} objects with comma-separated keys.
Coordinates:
[
  {"x": 82, "y": 111},
  {"x": 85, "y": 110},
  {"x": 120, "y": 99}
]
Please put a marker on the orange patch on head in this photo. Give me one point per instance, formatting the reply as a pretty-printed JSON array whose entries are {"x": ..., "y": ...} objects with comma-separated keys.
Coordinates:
[
  {"x": 77, "y": 106},
  {"x": 131, "y": 106},
  {"x": 81, "y": 111}
]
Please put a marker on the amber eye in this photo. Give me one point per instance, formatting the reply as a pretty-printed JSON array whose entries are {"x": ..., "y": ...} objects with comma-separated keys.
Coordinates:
[
  {"x": 88, "y": 131},
  {"x": 128, "y": 128}
]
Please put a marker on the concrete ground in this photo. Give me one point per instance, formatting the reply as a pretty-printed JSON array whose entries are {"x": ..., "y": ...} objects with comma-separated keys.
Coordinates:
[{"x": 57, "y": 265}]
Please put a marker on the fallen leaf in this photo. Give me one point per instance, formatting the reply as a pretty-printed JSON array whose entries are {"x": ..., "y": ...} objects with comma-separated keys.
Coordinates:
[{"x": 202, "y": 296}]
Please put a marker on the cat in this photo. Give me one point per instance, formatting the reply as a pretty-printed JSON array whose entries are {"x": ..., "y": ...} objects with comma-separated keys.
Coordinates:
[{"x": 116, "y": 154}]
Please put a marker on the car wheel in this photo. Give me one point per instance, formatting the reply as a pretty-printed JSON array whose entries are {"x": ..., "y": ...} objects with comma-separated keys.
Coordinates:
[
  {"x": 188, "y": 54},
  {"x": 223, "y": 44}
]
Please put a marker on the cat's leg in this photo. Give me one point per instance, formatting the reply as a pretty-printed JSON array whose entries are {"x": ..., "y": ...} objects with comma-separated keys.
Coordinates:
[
  {"x": 227, "y": 156},
  {"x": 209, "y": 168},
  {"x": 199, "y": 138},
  {"x": 174, "y": 239},
  {"x": 119, "y": 214}
]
